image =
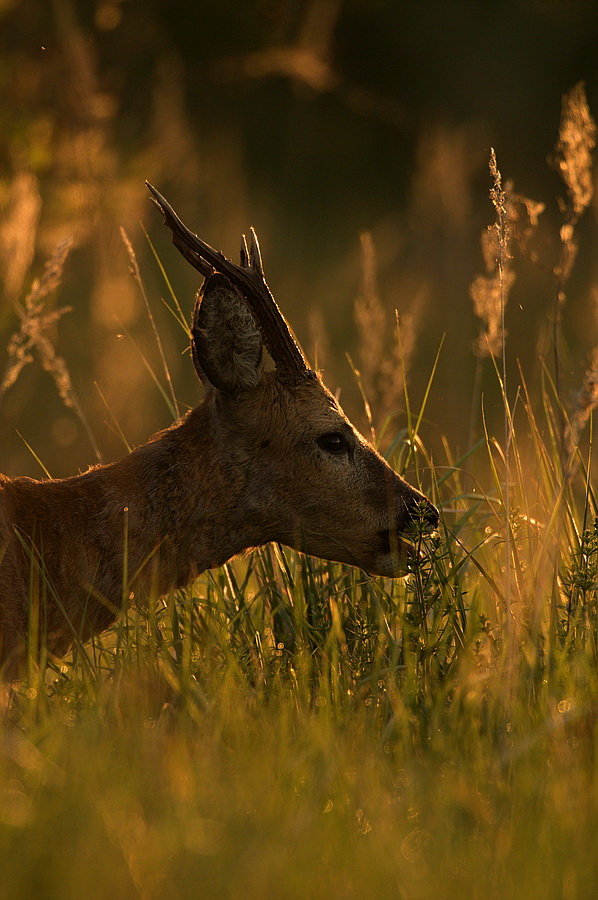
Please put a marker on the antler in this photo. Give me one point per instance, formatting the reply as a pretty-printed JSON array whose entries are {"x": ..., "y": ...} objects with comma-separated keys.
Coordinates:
[{"x": 249, "y": 278}]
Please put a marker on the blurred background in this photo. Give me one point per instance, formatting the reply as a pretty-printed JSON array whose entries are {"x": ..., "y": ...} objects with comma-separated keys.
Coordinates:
[{"x": 354, "y": 135}]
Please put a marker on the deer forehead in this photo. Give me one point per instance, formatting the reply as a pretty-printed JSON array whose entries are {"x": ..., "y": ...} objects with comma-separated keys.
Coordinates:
[
  {"x": 310, "y": 409},
  {"x": 274, "y": 407}
]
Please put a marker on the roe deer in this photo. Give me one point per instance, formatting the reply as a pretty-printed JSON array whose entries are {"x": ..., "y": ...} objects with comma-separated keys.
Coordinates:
[{"x": 268, "y": 456}]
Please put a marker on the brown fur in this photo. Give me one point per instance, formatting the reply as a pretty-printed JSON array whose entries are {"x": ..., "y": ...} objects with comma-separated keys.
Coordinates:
[{"x": 243, "y": 468}]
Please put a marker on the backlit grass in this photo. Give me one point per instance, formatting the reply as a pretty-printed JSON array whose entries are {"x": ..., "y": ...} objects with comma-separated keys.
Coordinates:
[{"x": 294, "y": 728}]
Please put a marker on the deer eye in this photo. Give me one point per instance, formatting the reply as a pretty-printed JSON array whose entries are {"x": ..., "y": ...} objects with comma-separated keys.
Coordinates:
[{"x": 333, "y": 442}]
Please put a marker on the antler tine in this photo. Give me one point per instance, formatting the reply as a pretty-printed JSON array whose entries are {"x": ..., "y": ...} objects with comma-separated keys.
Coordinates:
[
  {"x": 244, "y": 252},
  {"x": 255, "y": 256},
  {"x": 249, "y": 278}
]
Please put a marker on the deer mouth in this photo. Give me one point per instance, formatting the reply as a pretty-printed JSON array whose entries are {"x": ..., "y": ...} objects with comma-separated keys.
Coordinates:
[
  {"x": 393, "y": 543},
  {"x": 393, "y": 553}
]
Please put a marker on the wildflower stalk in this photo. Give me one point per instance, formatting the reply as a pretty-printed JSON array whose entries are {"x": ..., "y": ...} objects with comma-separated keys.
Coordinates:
[{"x": 501, "y": 229}]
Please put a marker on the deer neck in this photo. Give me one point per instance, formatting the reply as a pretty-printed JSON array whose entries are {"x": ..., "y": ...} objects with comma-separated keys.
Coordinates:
[{"x": 183, "y": 490}]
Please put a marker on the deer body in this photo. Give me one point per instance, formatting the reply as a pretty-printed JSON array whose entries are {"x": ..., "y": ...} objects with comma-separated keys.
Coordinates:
[{"x": 268, "y": 456}]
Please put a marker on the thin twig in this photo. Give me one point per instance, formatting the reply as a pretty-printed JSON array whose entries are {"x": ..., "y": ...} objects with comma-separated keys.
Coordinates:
[{"x": 137, "y": 277}]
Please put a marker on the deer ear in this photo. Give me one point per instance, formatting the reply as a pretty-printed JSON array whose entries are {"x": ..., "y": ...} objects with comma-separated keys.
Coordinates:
[{"x": 226, "y": 342}]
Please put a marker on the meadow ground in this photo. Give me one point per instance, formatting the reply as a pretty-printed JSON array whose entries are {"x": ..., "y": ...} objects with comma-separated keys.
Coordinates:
[{"x": 293, "y": 728}]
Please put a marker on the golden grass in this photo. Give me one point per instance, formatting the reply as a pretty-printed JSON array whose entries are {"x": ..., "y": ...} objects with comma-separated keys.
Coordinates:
[{"x": 290, "y": 727}]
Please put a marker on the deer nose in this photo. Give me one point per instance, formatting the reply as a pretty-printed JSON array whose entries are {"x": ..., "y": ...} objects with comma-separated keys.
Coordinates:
[
  {"x": 420, "y": 509},
  {"x": 431, "y": 516}
]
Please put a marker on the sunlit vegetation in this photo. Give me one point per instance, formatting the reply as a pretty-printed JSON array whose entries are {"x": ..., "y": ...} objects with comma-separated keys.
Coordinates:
[{"x": 290, "y": 727}]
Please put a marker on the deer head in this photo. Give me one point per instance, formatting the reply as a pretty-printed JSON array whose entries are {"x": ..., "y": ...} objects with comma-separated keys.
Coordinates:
[{"x": 309, "y": 478}]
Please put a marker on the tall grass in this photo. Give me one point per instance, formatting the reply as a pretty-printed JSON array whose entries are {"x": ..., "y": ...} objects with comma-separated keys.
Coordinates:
[
  {"x": 295, "y": 728},
  {"x": 292, "y": 727}
]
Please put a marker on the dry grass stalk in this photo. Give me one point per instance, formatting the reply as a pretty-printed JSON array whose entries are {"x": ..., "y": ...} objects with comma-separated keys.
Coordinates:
[
  {"x": 586, "y": 400},
  {"x": 135, "y": 272},
  {"x": 319, "y": 340},
  {"x": 489, "y": 293},
  {"x": 485, "y": 294},
  {"x": 573, "y": 153},
  {"x": 18, "y": 232},
  {"x": 382, "y": 367},
  {"x": 35, "y": 322},
  {"x": 573, "y": 160},
  {"x": 520, "y": 217},
  {"x": 305, "y": 59},
  {"x": 33, "y": 339},
  {"x": 523, "y": 215},
  {"x": 369, "y": 314}
]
